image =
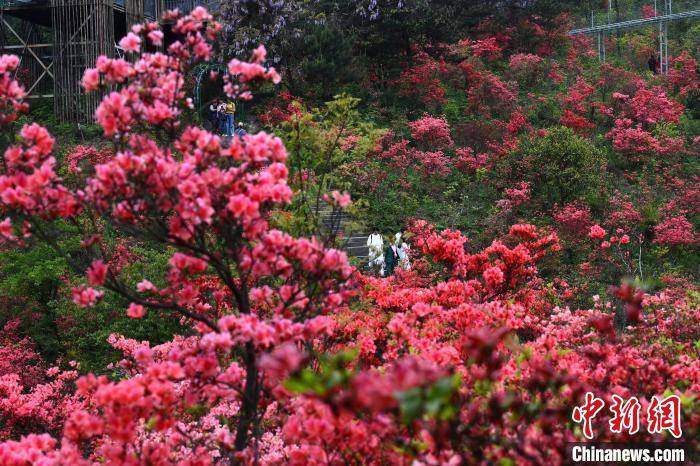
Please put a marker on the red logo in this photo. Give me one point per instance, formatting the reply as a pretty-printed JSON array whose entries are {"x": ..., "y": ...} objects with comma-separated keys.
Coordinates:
[
  {"x": 587, "y": 412},
  {"x": 625, "y": 415},
  {"x": 662, "y": 415}
]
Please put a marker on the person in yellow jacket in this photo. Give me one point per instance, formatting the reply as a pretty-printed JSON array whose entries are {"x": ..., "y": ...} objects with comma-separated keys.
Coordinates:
[{"x": 229, "y": 112}]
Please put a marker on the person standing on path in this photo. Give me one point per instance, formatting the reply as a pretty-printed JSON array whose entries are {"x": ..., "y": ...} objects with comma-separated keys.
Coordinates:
[
  {"x": 391, "y": 258},
  {"x": 402, "y": 250},
  {"x": 375, "y": 244},
  {"x": 653, "y": 64},
  {"x": 230, "y": 111},
  {"x": 391, "y": 255},
  {"x": 221, "y": 112},
  {"x": 214, "y": 114}
]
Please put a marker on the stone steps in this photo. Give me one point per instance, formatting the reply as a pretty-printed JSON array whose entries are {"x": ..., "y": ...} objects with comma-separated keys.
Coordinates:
[{"x": 354, "y": 243}]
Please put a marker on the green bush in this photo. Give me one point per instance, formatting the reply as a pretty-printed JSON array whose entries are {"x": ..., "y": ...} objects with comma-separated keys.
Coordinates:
[
  {"x": 35, "y": 285},
  {"x": 560, "y": 166}
]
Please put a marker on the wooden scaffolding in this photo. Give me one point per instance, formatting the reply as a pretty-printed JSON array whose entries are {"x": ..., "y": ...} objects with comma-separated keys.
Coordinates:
[{"x": 57, "y": 40}]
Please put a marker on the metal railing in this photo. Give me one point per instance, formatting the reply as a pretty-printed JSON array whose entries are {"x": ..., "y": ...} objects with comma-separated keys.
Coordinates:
[
  {"x": 630, "y": 10},
  {"x": 22, "y": 3},
  {"x": 636, "y": 22},
  {"x": 185, "y": 6},
  {"x": 659, "y": 14}
]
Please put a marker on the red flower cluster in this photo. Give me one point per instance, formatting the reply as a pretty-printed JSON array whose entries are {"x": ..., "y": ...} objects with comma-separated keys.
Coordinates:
[
  {"x": 432, "y": 132},
  {"x": 683, "y": 74},
  {"x": 11, "y": 93},
  {"x": 638, "y": 116},
  {"x": 86, "y": 155},
  {"x": 574, "y": 218},
  {"x": 675, "y": 231},
  {"x": 515, "y": 196},
  {"x": 423, "y": 80},
  {"x": 33, "y": 396}
]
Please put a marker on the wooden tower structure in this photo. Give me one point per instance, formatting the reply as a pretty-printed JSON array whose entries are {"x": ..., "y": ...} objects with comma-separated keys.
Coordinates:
[{"x": 57, "y": 40}]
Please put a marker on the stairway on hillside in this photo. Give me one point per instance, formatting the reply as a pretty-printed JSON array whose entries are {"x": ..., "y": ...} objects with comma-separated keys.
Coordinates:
[{"x": 353, "y": 242}]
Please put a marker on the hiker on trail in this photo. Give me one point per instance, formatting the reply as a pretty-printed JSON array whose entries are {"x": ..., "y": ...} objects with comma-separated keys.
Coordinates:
[
  {"x": 392, "y": 255},
  {"x": 221, "y": 112},
  {"x": 391, "y": 259},
  {"x": 653, "y": 64},
  {"x": 402, "y": 253},
  {"x": 229, "y": 110},
  {"x": 240, "y": 131},
  {"x": 375, "y": 244},
  {"x": 214, "y": 114}
]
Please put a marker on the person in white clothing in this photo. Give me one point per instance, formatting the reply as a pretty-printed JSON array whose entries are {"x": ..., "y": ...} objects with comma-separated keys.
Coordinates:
[
  {"x": 375, "y": 244},
  {"x": 403, "y": 253},
  {"x": 402, "y": 250}
]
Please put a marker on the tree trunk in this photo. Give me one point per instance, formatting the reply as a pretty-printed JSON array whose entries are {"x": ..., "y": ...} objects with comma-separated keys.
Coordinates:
[{"x": 251, "y": 398}]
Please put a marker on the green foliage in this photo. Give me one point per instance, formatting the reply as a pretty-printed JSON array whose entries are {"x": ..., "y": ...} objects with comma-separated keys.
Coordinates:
[
  {"x": 36, "y": 272},
  {"x": 323, "y": 145},
  {"x": 332, "y": 372},
  {"x": 37, "y": 282},
  {"x": 42, "y": 111},
  {"x": 435, "y": 401},
  {"x": 30, "y": 281},
  {"x": 561, "y": 167},
  {"x": 691, "y": 38},
  {"x": 86, "y": 332},
  {"x": 389, "y": 206},
  {"x": 328, "y": 58}
]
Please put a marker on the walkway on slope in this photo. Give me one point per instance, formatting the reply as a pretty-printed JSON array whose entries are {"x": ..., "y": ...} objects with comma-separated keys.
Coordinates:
[
  {"x": 636, "y": 22},
  {"x": 353, "y": 242}
]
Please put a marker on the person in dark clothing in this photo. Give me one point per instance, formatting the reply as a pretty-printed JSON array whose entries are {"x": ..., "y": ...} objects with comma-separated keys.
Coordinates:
[
  {"x": 653, "y": 63},
  {"x": 214, "y": 114},
  {"x": 391, "y": 258}
]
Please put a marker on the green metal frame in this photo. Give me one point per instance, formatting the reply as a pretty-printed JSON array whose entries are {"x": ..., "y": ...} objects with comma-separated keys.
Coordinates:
[{"x": 200, "y": 71}]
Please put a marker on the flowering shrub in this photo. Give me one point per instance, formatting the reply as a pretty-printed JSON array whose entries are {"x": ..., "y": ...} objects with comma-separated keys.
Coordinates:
[
  {"x": 11, "y": 93},
  {"x": 424, "y": 80},
  {"x": 651, "y": 106},
  {"x": 431, "y": 163},
  {"x": 428, "y": 132},
  {"x": 467, "y": 160},
  {"x": 432, "y": 132},
  {"x": 648, "y": 11},
  {"x": 674, "y": 231},
  {"x": 466, "y": 316},
  {"x": 178, "y": 200},
  {"x": 574, "y": 218},
  {"x": 683, "y": 74},
  {"x": 487, "y": 93},
  {"x": 639, "y": 116},
  {"x": 526, "y": 67},
  {"x": 487, "y": 48},
  {"x": 86, "y": 155},
  {"x": 277, "y": 113},
  {"x": 33, "y": 396},
  {"x": 577, "y": 105},
  {"x": 515, "y": 196}
]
